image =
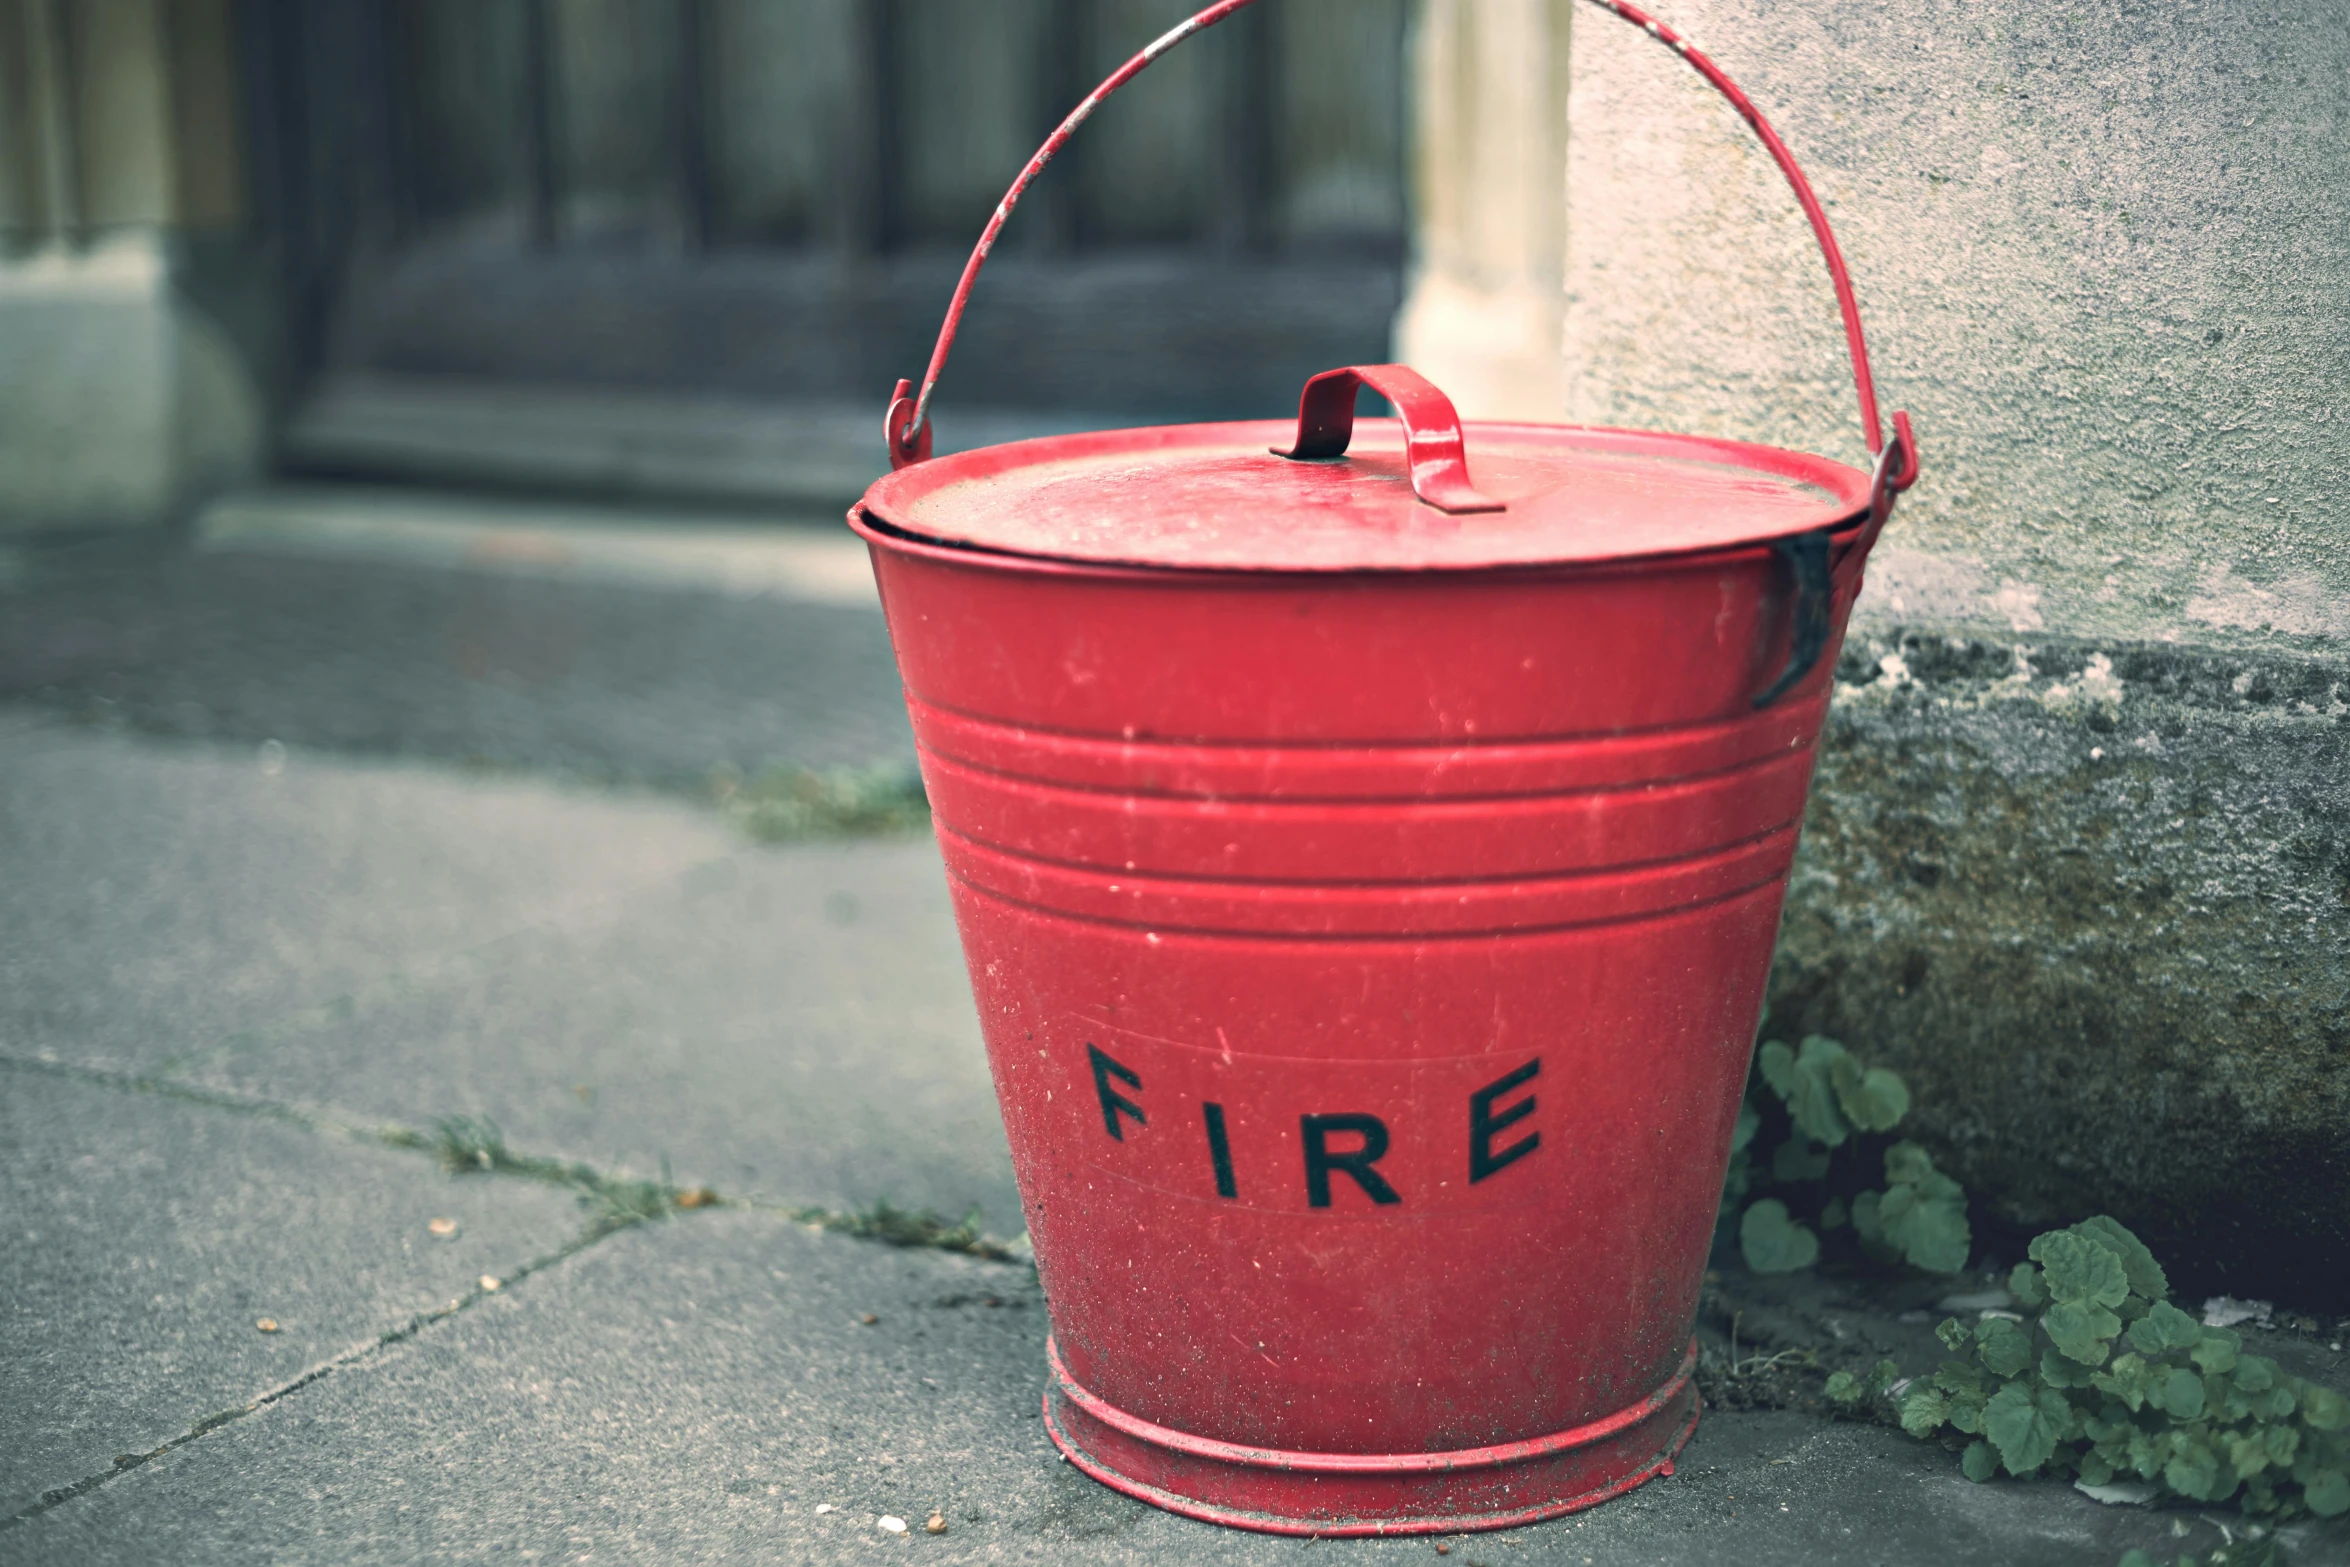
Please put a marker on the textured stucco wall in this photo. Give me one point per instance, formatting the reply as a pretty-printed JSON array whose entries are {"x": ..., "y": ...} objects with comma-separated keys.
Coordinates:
[{"x": 2103, "y": 249}]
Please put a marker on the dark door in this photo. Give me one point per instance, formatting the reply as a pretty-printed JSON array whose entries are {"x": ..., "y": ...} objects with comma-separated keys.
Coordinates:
[{"x": 768, "y": 199}]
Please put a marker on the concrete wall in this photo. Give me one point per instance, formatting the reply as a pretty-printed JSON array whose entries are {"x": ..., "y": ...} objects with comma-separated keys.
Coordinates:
[
  {"x": 119, "y": 398},
  {"x": 2079, "y": 856},
  {"x": 2104, "y": 248}
]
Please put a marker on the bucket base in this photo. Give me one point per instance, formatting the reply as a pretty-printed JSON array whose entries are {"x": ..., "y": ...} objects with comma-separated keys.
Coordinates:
[{"x": 1277, "y": 1492}]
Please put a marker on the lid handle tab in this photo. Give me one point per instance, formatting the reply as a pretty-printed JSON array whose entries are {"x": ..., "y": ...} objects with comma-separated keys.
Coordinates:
[{"x": 1433, "y": 444}]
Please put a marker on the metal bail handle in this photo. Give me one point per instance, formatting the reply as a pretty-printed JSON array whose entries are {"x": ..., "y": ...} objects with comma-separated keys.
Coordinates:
[
  {"x": 1433, "y": 445},
  {"x": 907, "y": 427}
]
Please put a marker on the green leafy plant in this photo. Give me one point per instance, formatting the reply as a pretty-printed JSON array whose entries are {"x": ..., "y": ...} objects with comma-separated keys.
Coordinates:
[
  {"x": 2105, "y": 1379},
  {"x": 1830, "y": 1111}
]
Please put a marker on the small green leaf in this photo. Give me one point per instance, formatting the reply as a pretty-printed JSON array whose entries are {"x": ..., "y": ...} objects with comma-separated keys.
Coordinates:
[
  {"x": 2063, "y": 1419},
  {"x": 2005, "y": 1346},
  {"x": 1966, "y": 1412},
  {"x": 1908, "y": 1163},
  {"x": 2129, "y": 1380},
  {"x": 1774, "y": 1243},
  {"x": 2096, "y": 1471},
  {"x": 2327, "y": 1493},
  {"x": 2015, "y": 1423},
  {"x": 1835, "y": 1215},
  {"x": 1953, "y": 1334},
  {"x": 1978, "y": 1463},
  {"x": 2164, "y": 1328},
  {"x": 1882, "y": 1376},
  {"x": 2145, "y": 1274},
  {"x": 1924, "y": 1412},
  {"x": 1959, "y": 1376},
  {"x": 2247, "y": 1455},
  {"x": 1776, "y": 1063},
  {"x": 2216, "y": 1350},
  {"x": 1936, "y": 1238},
  {"x": 1811, "y": 1098},
  {"x": 2023, "y": 1282},
  {"x": 2080, "y": 1270},
  {"x": 1921, "y": 1215},
  {"x": 2255, "y": 1373},
  {"x": 1843, "y": 1387},
  {"x": 2283, "y": 1443},
  {"x": 2178, "y": 1395},
  {"x": 1873, "y": 1099},
  {"x": 2323, "y": 1409},
  {"x": 2059, "y": 1369},
  {"x": 2112, "y": 1436},
  {"x": 2194, "y": 1471},
  {"x": 2082, "y": 1330}
]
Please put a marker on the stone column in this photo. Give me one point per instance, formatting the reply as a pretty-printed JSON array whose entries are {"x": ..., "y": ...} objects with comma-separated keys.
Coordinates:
[
  {"x": 118, "y": 399},
  {"x": 1489, "y": 165}
]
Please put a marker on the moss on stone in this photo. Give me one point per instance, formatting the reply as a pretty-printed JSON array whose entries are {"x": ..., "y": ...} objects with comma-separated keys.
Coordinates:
[{"x": 2093, "y": 901}]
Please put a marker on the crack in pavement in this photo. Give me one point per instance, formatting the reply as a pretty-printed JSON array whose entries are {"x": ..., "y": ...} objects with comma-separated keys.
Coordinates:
[
  {"x": 622, "y": 1205},
  {"x": 464, "y": 1146},
  {"x": 611, "y": 1219},
  {"x": 414, "y": 1326}
]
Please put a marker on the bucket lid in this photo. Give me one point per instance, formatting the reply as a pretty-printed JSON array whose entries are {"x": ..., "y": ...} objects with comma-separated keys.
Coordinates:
[{"x": 1401, "y": 496}]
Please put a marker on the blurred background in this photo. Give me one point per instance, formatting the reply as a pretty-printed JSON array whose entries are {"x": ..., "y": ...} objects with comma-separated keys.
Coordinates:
[{"x": 674, "y": 246}]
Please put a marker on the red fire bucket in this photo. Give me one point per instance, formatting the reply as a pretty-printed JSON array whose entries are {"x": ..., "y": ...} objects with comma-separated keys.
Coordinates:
[{"x": 1368, "y": 876}]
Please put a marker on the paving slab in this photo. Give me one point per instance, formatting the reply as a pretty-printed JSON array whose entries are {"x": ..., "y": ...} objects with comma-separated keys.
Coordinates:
[
  {"x": 698, "y": 1390},
  {"x": 613, "y": 978},
  {"x": 162, "y": 899},
  {"x": 791, "y": 1022},
  {"x": 143, "y": 1238}
]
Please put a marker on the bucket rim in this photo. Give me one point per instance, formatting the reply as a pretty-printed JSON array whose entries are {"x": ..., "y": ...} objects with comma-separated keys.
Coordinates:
[
  {"x": 880, "y": 515},
  {"x": 1449, "y": 1461},
  {"x": 881, "y": 534}
]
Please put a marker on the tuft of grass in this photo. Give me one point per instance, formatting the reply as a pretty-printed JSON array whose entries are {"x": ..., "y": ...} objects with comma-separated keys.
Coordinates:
[
  {"x": 785, "y": 804},
  {"x": 895, "y": 1226},
  {"x": 467, "y": 1146}
]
